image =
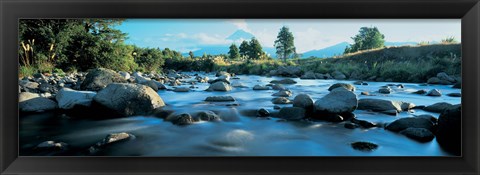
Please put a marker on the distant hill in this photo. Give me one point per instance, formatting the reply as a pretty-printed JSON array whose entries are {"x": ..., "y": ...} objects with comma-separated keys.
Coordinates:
[
  {"x": 223, "y": 49},
  {"x": 326, "y": 52},
  {"x": 339, "y": 48}
]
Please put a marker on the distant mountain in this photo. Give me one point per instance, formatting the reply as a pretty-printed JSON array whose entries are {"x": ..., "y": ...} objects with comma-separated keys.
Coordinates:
[
  {"x": 240, "y": 35},
  {"x": 326, "y": 52}
]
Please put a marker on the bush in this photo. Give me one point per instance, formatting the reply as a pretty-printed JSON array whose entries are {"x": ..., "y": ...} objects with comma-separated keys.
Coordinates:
[{"x": 25, "y": 71}]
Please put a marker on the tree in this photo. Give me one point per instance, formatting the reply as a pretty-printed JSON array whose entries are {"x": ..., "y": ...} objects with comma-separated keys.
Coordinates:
[
  {"x": 233, "y": 52},
  {"x": 255, "y": 50},
  {"x": 191, "y": 54},
  {"x": 284, "y": 44},
  {"x": 367, "y": 38},
  {"x": 244, "y": 48}
]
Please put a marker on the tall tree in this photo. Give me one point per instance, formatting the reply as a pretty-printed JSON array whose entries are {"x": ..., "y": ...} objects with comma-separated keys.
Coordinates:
[
  {"x": 284, "y": 44},
  {"x": 233, "y": 52},
  {"x": 191, "y": 54},
  {"x": 367, "y": 38},
  {"x": 255, "y": 49},
  {"x": 244, "y": 48}
]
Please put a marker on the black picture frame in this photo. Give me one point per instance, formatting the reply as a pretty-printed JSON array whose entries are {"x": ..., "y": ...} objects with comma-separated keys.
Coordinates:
[{"x": 12, "y": 10}]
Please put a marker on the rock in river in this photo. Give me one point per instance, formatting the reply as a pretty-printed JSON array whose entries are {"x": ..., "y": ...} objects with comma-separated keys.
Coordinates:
[
  {"x": 434, "y": 92},
  {"x": 283, "y": 81},
  {"x": 409, "y": 122},
  {"x": 207, "y": 116},
  {"x": 129, "y": 99},
  {"x": 31, "y": 102},
  {"x": 364, "y": 146},
  {"x": 260, "y": 87},
  {"x": 181, "y": 119},
  {"x": 281, "y": 100},
  {"x": 219, "y": 86},
  {"x": 263, "y": 113},
  {"x": 449, "y": 133},
  {"x": 283, "y": 93},
  {"x": 419, "y": 134},
  {"x": 303, "y": 101},
  {"x": 111, "y": 139},
  {"x": 99, "y": 78},
  {"x": 438, "y": 107},
  {"x": 378, "y": 105},
  {"x": 344, "y": 85},
  {"x": 292, "y": 113},
  {"x": 219, "y": 98},
  {"x": 337, "y": 101},
  {"x": 68, "y": 98}
]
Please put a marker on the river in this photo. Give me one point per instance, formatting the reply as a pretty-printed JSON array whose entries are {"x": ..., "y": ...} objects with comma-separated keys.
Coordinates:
[{"x": 239, "y": 133}]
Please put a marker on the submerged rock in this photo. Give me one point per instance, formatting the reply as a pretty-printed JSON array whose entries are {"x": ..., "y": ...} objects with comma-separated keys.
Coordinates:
[
  {"x": 52, "y": 145},
  {"x": 207, "y": 116},
  {"x": 419, "y": 134},
  {"x": 109, "y": 140},
  {"x": 99, "y": 78},
  {"x": 283, "y": 93},
  {"x": 129, "y": 99},
  {"x": 181, "y": 119},
  {"x": 279, "y": 87},
  {"x": 292, "y": 113},
  {"x": 283, "y": 81},
  {"x": 409, "y": 122},
  {"x": 364, "y": 146},
  {"x": 454, "y": 94},
  {"x": 219, "y": 98},
  {"x": 281, "y": 100},
  {"x": 263, "y": 113},
  {"x": 260, "y": 87},
  {"x": 421, "y": 91},
  {"x": 385, "y": 90},
  {"x": 363, "y": 123},
  {"x": 181, "y": 89}
]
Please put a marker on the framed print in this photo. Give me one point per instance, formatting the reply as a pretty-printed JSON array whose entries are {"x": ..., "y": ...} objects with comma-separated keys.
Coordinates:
[{"x": 201, "y": 87}]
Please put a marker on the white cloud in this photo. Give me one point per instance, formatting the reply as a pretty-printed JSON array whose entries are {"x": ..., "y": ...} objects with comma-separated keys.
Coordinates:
[
  {"x": 312, "y": 39},
  {"x": 204, "y": 38},
  {"x": 240, "y": 24}
]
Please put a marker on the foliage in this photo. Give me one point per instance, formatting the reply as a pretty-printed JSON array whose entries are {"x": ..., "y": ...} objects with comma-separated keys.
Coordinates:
[
  {"x": 449, "y": 40},
  {"x": 233, "y": 52},
  {"x": 284, "y": 44},
  {"x": 367, "y": 38}
]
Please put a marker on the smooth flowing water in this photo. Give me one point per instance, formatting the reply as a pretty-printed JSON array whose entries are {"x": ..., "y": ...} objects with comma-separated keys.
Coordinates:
[{"x": 240, "y": 133}]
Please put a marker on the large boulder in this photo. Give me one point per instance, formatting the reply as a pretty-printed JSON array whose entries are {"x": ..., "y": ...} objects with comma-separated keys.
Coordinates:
[
  {"x": 410, "y": 122},
  {"x": 303, "y": 101},
  {"x": 338, "y": 101},
  {"x": 219, "y": 86},
  {"x": 68, "y": 98},
  {"x": 292, "y": 113},
  {"x": 99, "y": 78},
  {"x": 150, "y": 83},
  {"x": 449, "y": 133},
  {"x": 129, "y": 99},
  {"x": 139, "y": 78},
  {"x": 438, "y": 107},
  {"x": 31, "y": 102},
  {"x": 343, "y": 85},
  {"x": 379, "y": 105}
]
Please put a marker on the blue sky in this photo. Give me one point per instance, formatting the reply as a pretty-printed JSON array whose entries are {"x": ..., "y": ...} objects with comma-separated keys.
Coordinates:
[{"x": 192, "y": 34}]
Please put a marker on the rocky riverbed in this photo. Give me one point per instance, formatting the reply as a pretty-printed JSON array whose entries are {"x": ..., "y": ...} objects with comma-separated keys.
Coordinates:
[{"x": 110, "y": 113}]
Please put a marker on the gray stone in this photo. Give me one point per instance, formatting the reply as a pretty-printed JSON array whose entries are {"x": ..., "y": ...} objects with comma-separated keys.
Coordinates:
[
  {"x": 364, "y": 146},
  {"x": 31, "y": 102},
  {"x": 336, "y": 102},
  {"x": 409, "y": 122},
  {"x": 303, "y": 101},
  {"x": 99, "y": 78},
  {"x": 292, "y": 113},
  {"x": 68, "y": 98},
  {"x": 419, "y": 134},
  {"x": 129, "y": 99},
  {"x": 283, "y": 93},
  {"x": 438, "y": 107},
  {"x": 434, "y": 92},
  {"x": 344, "y": 85},
  {"x": 281, "y": 100},
  {"x": 283, "y": 81},
  {"x": 449, "y": 134},
  {"x": 259, "y": 87},
  {"x": 220, "y": 98},
  {"x": 219, "y": 86}
]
